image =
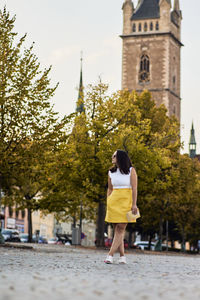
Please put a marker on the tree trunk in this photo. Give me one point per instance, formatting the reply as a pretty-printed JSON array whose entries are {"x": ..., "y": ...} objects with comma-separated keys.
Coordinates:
[
  {"x": 161, "y": 229},
  {"x": 167, "y": 234},
  {"x": 183, "y": 240},
  {"x": 150, "y": 239},
  {"x": 100, "y": 225},
  {"x": 74, "y": 222},
  {"x": 172, "y": 243},
  {"x": 130, "y": 237},
  {"x": 158, "y": 246},
  {"x": 30, "y": 225}
]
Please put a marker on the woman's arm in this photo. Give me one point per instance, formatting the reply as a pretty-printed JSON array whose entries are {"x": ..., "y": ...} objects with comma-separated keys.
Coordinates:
[
  {"x": 110, "y": 187},
  {"x": 134, "y": 190}
]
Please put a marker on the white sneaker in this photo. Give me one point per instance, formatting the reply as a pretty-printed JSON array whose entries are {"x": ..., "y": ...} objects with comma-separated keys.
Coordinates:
[
  {"x": 122, "y": 260},
  {"x": 109, "y": 259}
]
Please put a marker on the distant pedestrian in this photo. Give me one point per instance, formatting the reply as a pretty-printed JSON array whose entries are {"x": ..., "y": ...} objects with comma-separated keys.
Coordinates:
[{"x": 121, "y": 198}]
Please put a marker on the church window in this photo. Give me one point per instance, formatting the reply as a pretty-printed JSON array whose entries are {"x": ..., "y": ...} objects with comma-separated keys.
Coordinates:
[
  {"x": 151, "y": 26},
  {"x": 174, "y": 83},
  {"x": 144, "y": 74},
  {"x": 157, "y": 26},
  {"x": 140, "y": 27},
  {"x": 145, "y": 26},
  {"x": 174, "y": 110},
  {"x": 134, "y": 28}
]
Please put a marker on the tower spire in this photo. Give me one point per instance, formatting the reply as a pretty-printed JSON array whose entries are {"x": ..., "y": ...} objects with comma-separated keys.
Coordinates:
[
  {"x": 192, "y": 143},
  {"x": 128, "y": 9},
  {"x": 80, "y": 102},
  {"x": 176, "y": 5}
]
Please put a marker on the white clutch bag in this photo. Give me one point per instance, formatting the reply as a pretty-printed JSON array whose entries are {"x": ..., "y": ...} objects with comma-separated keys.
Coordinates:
[{"x": 132, "y": 217}]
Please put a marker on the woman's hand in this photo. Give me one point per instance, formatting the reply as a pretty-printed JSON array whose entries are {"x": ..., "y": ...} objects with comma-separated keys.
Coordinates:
[{"x": 134, "y": 209}]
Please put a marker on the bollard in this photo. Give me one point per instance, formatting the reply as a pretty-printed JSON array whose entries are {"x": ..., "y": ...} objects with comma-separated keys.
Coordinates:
[{"x": 76, "y": 236}]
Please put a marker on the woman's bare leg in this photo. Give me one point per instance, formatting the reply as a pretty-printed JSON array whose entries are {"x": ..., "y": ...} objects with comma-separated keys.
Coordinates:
[
  {"x": 121, "y": 246},
  {"x": 118, "y": 239}
]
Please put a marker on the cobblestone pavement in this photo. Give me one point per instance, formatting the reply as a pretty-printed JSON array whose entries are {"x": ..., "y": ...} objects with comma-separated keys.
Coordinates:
[{"x": 61, "y": 272}]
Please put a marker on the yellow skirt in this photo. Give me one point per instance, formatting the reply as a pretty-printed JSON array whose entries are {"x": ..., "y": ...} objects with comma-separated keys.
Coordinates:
[{"x": 119, "y": 202}]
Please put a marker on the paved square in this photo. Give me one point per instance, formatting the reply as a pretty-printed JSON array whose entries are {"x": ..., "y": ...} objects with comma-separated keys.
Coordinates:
[{"x": 61, "y": 272}]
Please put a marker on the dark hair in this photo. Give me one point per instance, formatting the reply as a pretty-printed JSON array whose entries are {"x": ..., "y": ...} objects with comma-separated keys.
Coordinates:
[{"x": 123, "y": 162}]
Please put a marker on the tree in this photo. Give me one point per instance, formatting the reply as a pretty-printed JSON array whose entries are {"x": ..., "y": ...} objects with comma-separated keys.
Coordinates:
[
  {"x": 29, "y": 127},
  {"x": 186, "y": 207},
  {"x": 121, "y": 120}
]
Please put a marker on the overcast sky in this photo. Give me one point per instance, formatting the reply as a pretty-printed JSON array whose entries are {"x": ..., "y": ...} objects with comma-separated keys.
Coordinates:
[{"x": 62, "y": 29}]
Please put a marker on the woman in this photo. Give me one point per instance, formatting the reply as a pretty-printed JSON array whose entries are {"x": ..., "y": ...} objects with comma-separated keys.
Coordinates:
[{"x": 121, "y": 198}]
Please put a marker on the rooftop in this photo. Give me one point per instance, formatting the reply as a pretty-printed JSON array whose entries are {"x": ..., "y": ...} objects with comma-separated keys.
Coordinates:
[{"x": 147, "y": 9}]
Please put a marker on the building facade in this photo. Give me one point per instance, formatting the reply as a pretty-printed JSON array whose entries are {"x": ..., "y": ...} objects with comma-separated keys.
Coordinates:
[
  {"x": 43, "y": 224},
  {"x": 15, "y": 219},
  {"x": 151, "y": 50}
]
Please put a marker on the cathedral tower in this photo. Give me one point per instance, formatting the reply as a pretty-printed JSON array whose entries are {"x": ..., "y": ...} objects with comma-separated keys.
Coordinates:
[{"x": 151, "y": 50}]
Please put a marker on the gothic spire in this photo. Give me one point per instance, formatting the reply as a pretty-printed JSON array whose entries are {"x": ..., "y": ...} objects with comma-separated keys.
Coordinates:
[
  {"x": 192, "y": 143},
  {"x": 80, "y": 102}
]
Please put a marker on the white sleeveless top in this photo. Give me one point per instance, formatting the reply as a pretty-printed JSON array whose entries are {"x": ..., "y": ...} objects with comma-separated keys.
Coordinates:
[{"x": 119, "y": 180}]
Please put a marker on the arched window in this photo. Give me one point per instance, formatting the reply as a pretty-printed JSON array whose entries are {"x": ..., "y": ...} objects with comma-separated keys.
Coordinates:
[
  {"x": 23, "y": 214},
  {"x": 174, "y": 110},
  {"x": 145, "y": 26},
  {"x": 134, "y": 27},
  {"x": 16, "y": 212},
  {"x": 174, "y": 83},
  {"x": 140, "y": 27},
  {"x": 157, "y": 25},
  {"x": 151, "y": 26},
  {"x": 144, "y": 74}
]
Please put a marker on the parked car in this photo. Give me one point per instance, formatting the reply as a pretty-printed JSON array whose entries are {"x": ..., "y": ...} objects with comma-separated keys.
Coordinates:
[
  {"x": 108, "y": 243},
  {"x": 53, "y": 241},
  {"x": 63, "y": 239},
  {"x": 23, "y": 237},
  {"x": 11, "y": 235},
  {"x": 39, "y": 239},
  {"x": 164, "y": 247},
  {"x": 143, "y": 245},
  {"x": 42, "y": 240},
  {"x": 34, "y": 238}
]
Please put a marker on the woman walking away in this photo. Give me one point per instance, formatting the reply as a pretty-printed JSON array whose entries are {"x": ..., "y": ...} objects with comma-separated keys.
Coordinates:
[{"x": 121, "y": 198}]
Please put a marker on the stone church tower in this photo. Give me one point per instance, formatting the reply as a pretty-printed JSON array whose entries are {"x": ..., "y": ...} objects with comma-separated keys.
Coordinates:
[{"x": 151, "y": 50}]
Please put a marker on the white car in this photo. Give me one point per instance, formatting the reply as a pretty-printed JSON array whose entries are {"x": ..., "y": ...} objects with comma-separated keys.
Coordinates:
[
  {"x": 23, "y": 237},
  {"x": 10, "y": 235},
  {"x": 143, "y": 245}
]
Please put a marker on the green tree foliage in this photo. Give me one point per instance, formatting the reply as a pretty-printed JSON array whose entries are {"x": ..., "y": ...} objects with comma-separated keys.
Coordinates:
[
  {"x": 185, "y": 201},
  {"x": 121, "y": 121},
  {"x": 29, "y": 127},
  {"x": 61, "y": 166}
]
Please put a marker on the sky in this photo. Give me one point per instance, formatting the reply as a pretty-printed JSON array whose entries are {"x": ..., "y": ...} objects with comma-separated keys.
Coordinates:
[{"x": 62, "y": 29}]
